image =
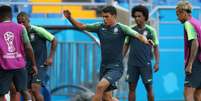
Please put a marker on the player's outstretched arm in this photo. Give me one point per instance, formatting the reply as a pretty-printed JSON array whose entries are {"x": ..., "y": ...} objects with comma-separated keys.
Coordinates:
[{"x": 77, "y": 24}]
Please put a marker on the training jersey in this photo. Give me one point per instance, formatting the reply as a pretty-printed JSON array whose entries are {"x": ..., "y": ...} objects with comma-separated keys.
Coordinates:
[
  {"x": 38, "y": 37},
  {"x": 112, "y": 40},
  {"x": 141, "y": 54},
  {"x": 12, "y": 39},
  {"x": 189, "y": 34}
]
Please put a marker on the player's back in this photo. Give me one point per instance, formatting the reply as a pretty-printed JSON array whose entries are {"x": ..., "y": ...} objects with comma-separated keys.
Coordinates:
[{"x": 11, "y": 47}]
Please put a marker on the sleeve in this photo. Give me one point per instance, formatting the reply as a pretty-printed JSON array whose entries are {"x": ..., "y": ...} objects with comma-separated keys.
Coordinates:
[
  {"x": 128, "y": 31},
  {"x": 43, "y": 33},
  {"x": 25, "y": 36},
  {"x": 155, "y": 35},
  {"x": 191, "y": 33},
  {"x": 93, "y": 27}
]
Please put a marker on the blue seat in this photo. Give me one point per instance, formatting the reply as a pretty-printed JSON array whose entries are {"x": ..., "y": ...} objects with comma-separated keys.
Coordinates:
[
  {"x": 54, "y": 15},
  {"x": 100, "y": 0},
  {"x": 37, "y": 15}
]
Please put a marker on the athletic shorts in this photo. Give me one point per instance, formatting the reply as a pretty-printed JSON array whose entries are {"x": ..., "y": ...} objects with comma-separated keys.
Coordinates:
[
  {"x": 193, "y": 80},
  {"x": 112, "y": 73},
  {"x": 134, "y": 73},
  {"x": 41, "y": 78},
  {"x": 18, "y": 77}
]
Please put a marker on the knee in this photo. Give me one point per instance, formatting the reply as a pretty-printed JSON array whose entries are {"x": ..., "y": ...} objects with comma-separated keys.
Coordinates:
[
  {"x": 35, "y": 88},
  {"x": 24, "y": 93},
  {"x": 188, "y": 96},
  {"x": 107, "y": 98},
  {"x": 197, "y": 97},
  {"x": 13, "y": 92},
  {"x": 100, "y": 87},
  {"x": 132, "y": 87},
  {"x": 149, "y": 89}
]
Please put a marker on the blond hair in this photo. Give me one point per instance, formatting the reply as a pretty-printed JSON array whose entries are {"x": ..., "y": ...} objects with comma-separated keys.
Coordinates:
[{"x": 184, "y": 5}]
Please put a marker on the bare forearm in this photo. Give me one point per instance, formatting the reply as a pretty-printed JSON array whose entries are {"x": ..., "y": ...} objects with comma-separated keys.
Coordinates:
[
  {"x": 141, "y": 38},
  {"x": 156, "y": 54},
  {"x": 53, "y": 48},
  {"x": 76, "y": 23},
  {"x": 125, "y": 49},
  {"x": 194, "y": 50}
]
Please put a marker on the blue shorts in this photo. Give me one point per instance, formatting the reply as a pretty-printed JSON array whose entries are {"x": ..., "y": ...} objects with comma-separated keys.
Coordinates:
[
  {"x": 134, "y": 73},
  {"x": 18, "y": 77},
  {"x": 41, "y": 78},
  {"x": 112, "y": 73}
]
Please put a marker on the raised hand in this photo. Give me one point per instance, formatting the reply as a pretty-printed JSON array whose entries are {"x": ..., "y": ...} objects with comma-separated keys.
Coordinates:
[{"x": 67, "y": 13}]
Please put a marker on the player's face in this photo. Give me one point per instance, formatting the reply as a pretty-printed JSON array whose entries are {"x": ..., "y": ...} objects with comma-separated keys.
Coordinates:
[
  {"x": 139, "y": 18},
  {"x": 23, "y": 20},
  {"x": 108, "y": 19},
  {"x": 182, "y": 15}
]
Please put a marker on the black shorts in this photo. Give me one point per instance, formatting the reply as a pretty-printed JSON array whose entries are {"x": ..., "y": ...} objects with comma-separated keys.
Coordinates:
[
  {"x": 18, "y": 77},
  {"x": 134, "y": 72},
  {"x": 41, "y": 78},
  {"x": 193, "y": 80},
  {"x": 112, "y": 73},
  {"x": 33, "y": 79}
]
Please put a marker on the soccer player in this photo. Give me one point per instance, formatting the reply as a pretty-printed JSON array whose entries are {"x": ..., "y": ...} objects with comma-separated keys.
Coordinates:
[
  {"x": 192, "y": 31},
  {"x": 14, "y": 42},
  {"x": 140, "y": 56},
  {"x": 38, "y": 37},
  {"x": 112, "y": 35}
]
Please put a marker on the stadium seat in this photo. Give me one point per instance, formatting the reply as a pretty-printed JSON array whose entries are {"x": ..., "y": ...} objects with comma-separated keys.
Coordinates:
[{"x": 56, "y": 10}]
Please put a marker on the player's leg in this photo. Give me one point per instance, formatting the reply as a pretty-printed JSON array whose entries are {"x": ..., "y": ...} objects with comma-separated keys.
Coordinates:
[
  {"x": 147, "y": 78},
  {"x": 5, "y": 82},
  {"x": 188, "y": 89},
  {"x": 100, "y": 88},
  {"x": 109, "y": 76},
  {"x": 189, "y": 93},
  {"x": 36, "y": 91},
  {"x": 107, "y": 96},
  {"x": 36, "y": 87},
  {"x": 197, "y": 72},
  {"x": 192, "y": 83},
  {"x": 14, "y": 95},
  {"x": 20, "y": 82},
  {"x": 197, "y": 95},
  {"x": 132, "y": 78},
  {"x": 44, "y": 77}
]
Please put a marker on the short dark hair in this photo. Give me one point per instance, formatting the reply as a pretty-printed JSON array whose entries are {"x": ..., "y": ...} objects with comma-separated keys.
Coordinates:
[
  {"x": 110, "y": 9},
  {"x": 6, "y": 11},
  {"x": 141, "y": 8},
  {"x": 23, "y": 14}
]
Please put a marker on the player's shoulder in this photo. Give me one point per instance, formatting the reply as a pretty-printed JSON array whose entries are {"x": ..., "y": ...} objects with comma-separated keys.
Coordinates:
[
  {"x": 36, "y": 27},
  {"x": 123, "y": 26},
  {"x": 149, "y": 27}
]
